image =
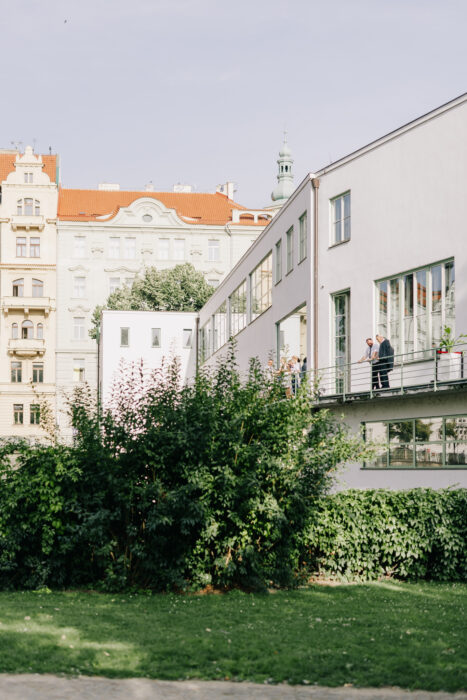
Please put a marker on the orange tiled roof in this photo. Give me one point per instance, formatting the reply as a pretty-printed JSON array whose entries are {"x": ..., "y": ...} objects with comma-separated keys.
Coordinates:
[
  {"x": 192, "y": 207},
  {"x": 7, "y": 165}
]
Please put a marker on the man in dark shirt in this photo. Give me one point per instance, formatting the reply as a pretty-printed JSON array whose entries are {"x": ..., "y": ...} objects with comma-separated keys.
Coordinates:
[{"x": 385, "y": 360}]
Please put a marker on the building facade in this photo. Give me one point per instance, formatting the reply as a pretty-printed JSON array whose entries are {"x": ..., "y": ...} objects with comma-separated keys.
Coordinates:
[
  {"x": 107, "y": 237},
  {"x": 28, "y": 213},
  {"x": 374, "y": 243}
]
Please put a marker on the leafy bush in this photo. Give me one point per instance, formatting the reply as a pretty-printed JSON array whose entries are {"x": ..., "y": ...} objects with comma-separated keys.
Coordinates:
[
  {"x": 414, "y": 534},
  {"x": 171, "y": 487}
]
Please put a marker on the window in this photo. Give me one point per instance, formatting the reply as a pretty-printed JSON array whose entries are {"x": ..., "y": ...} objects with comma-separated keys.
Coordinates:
[
  {"x": 238, "y": 309},
  {"x": 124, "y": 337},
  {"x": 220, "y": 327},
  {"x": 434, "y": 442},
  {"x": 278, "y": 272},
  {"x": 21, "y": 247},
  {"x": 114, "y": 284},
  {"x": 163, "y": 248},
  {"x": 37, "y": 288},
  {"x": 187, "y": 337},
  {"x": 130, "y": 248},
  {"x": 129, "y": 281},
  {"x": 79, "y": 247},
  {"x": 16, "y": 372},
  {"x": 341, "y": 340},
  {"x": 78, "y": 370},
  {"x": 39, "y": 331},
  {"x": 155, "y": 337},
  {"x": 27, "y": 330},
  {"x": 37, "y": 372},
  {"x": 213, "y": 251},
  {"x": 261, "y": 287},
  {"x": 114, "y": 247},
  {"x": 79, "y": 287},
  {"x": 28, "y": 207},
  {"x": 28, "y": 178},
  {"x": 340, "y": 218},
  {"x": 18, "y": 414},
  {"x": 34, "y": 414},
  {"x": 78, "y": 328},
  {"x": 289, "y": 249},
  {"x": 18, "y": 288},
  {"x": 205, "y": 342},
  {"x": 213, "y": 283},
  {"x": 302, "y": 237},
  {"x": 179, "y": 249},
  {"x": 35, "y": 247},
  {"x": 413, "y": 307},
  {"x": 14, "y": 331}
]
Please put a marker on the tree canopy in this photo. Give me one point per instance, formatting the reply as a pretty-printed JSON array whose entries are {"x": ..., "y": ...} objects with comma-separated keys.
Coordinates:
[{"x": 180, "y": 288}]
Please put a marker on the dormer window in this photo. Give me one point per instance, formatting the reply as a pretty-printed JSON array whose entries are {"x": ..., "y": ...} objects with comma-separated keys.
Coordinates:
[
  {"x": 28, "y": 207},
  {"x": 28, "y": 178}
]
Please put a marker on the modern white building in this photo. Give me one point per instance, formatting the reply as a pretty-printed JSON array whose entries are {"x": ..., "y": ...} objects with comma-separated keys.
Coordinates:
[
  {"x": 147, "y": 339},
  {"x": 108, "y": 236},
  {"x": 372, "y": 243},
  {"x": 28, "y": 217}
]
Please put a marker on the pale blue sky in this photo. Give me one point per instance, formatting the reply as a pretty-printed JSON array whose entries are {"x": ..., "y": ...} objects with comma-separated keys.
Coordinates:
[{"x": 199, "y": 91}]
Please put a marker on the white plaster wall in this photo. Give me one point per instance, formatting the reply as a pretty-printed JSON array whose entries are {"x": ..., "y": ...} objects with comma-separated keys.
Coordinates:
[
  {"x": 139, "y": 349},
  {"x": 259, "y": 338}
]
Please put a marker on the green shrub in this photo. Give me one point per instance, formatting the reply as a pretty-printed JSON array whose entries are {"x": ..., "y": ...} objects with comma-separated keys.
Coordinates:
[
  {"x": 414, "y": 534},
  {"x": 171, "y": 487}
]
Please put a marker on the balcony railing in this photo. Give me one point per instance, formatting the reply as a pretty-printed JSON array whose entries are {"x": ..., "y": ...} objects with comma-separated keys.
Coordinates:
[
  {"x": 427, "y": 370},
  {"x": 27, "y": 304},
  {"x": 27, "y": 222},
  {"x": 26, "y": 347}
]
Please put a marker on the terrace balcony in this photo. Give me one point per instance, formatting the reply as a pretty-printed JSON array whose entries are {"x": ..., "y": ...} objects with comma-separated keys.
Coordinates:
[
  {"x": 26, "y": 304},
  {"x": 413, "y": 373},
  {"x": 26, "y": 347}
]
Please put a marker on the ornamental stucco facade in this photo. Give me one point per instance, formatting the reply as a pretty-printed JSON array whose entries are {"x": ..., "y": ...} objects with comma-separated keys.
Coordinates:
[
  {"x": 97, "y": 255},
  {"x": 28, "y": 212}
]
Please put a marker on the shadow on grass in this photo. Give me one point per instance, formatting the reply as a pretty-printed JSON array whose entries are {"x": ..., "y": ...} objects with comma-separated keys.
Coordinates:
[{"x": 410, "y": 635}]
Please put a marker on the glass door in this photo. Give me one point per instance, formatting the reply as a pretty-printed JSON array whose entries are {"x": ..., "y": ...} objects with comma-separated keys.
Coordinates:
[{"x": 341, "y": 344}]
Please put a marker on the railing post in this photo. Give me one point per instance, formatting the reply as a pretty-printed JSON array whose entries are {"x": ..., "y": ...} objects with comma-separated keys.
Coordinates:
[
  {"x": 435, "y": 380},
  {"x": 402, "y": 373}
]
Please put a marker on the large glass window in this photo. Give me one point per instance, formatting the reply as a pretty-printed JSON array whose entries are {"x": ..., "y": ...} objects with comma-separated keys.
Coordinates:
[
  {"x": 238, "y": 318},
  {"x": 220, "y": 326},
  {"x": 341, "y": 342},
  {"x": 278, "y": 269},
  {"x": 261, "y": 287},
  {"x": 302, "y": 247},
  {"x": 289, "y": 249},
  {"x": 340, "y": 218},
  {"x": 413, "y": 307},
  {"x": 28, "y": 207},
  {"x": 439, "y": 441}
]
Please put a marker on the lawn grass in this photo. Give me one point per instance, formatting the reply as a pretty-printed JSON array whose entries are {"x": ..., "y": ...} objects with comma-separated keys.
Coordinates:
[{"x": 410, "y": 635}]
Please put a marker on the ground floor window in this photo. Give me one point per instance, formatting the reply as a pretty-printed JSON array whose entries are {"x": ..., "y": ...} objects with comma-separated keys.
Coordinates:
[
  {"x": 438, "y": 441},
  {"x": 18, "y": 414},
  {"x": 34, "y": 414}
]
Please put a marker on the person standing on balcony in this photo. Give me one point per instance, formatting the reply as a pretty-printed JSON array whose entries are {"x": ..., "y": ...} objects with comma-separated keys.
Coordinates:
[
  {"x": 385, "y": 361},
  {"x": 371, "y": 355}
]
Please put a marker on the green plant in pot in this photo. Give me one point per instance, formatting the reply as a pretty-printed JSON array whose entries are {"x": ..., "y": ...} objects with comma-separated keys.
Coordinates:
[{"x": 448, "y": 340}]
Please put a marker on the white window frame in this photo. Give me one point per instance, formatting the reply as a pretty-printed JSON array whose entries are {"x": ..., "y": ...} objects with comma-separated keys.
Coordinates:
[
  {"x": 79, "y": 329},
  {"x": 79, "y": 287},
  {"x": 289, "y": 236},
  {"x": 79, "y": 246},
  {"x": 130, "y": 247},
  {"x": 114, "y": 247},
  {"x": 214, "y": 252},
  {"x": 339, "y": 221},
  {"x": 302, "y": 236}
]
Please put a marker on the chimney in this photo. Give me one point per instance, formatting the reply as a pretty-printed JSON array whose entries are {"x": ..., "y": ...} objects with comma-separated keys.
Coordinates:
[
  {"x": 227, "y": 189},
  {"x": 149, "y": 187},
  {"x": 183, "y": 188}
]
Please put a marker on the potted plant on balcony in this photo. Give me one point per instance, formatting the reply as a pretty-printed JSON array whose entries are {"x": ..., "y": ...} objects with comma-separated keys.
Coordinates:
[{"x": 449, "y": 361}]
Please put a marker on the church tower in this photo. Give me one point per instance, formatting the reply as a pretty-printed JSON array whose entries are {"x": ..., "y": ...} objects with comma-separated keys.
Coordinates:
[{"x": 285, "y": 185}]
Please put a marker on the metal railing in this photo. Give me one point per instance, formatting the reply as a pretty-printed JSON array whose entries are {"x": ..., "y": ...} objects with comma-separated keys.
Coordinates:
[{"x": 425, "y": 370}]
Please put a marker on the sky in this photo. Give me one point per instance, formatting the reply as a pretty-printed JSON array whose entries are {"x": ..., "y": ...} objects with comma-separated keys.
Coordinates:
[{"x": 200, "y": 91}]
